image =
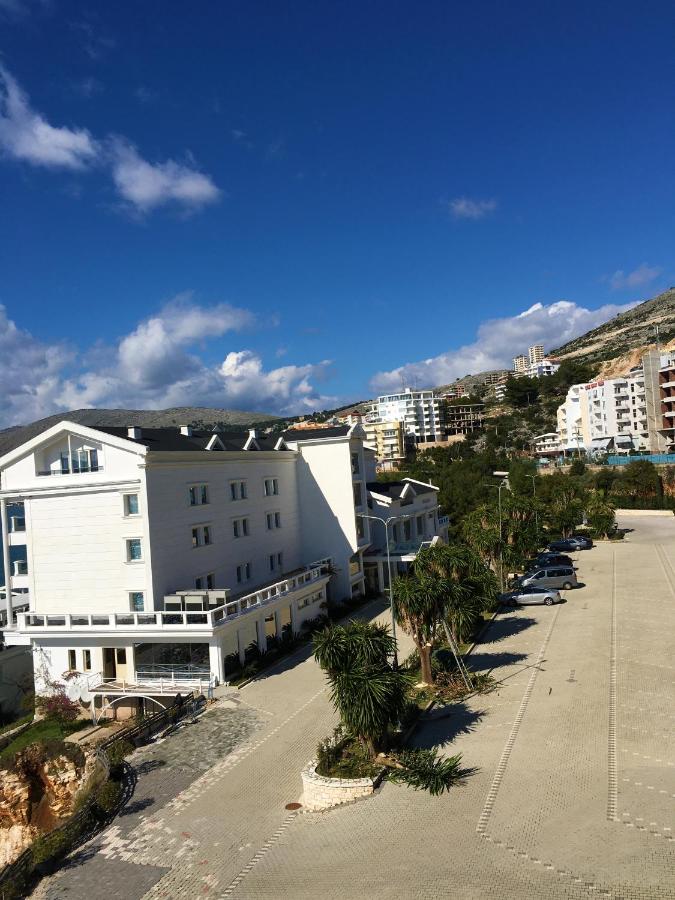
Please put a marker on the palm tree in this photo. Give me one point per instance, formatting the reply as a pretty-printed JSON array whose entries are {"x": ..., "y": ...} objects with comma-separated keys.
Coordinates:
[
  {"x": 467, "y": 585},
  {"x": 419, "y": 607},
  {"x": 367, "y": 692}
]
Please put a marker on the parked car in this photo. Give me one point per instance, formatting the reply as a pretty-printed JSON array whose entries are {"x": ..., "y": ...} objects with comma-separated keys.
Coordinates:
[
  {"x": 549, "y": 559},
  {"x": 584, "y": 539},
  {"x": 567, "y": 545},
  {"x": 529, "y": 596},
  {"x": 555, "y": 577}
]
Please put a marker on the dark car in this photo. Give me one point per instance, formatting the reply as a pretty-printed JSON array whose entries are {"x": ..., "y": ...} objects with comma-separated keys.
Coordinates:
[
  {"x": 549, "y": 559},
  {"x": 584, "y": 539},
  {"x": 567, "y": 545}
]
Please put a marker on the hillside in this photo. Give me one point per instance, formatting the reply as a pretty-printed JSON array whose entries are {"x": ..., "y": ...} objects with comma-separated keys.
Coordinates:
[
  {"x": 227, "y": 419},
  {"x": 625, "y": 333}
]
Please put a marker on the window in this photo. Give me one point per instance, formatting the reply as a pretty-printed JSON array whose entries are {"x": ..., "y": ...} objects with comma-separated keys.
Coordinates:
[
  {"x": 420, "y": 525},
  {"x": 271, "y": 487},
  {"x": 243, "y": 572},
  {"x": 86, "y": 660},
  {"x": 199, "y": 583},
  {"x": 136, "y": 601},
  {"x": 276, "y": 561},
  {"x": 240, "y": 528},
  {"x": 198, "y": 494},
  {"x": 355, "y": 464},
  {"x": 311, "y": 598},
  {"x": 82, "y": 461},
  {"x": 358, "y": 496},
  {"x": 273, "y": 520},
  {"x": 360, "y": 528},
  {"x": 238, "y": 490},
  {"x": 134, "y": 550},
  {"x": 210, "y": 581},
  {"x": 72, "y": 663},
  {"x": 121, "y": 655},
  {"x": 201, "y": 536},
  {"x": 131, "y": 504}
]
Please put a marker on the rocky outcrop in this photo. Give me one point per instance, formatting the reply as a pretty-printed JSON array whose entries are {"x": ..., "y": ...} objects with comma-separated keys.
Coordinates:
[{"x": 37, "y": 791}]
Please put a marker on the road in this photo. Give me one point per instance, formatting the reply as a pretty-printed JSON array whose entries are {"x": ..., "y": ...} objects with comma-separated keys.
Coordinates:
[{"x": 573, "y": 793}]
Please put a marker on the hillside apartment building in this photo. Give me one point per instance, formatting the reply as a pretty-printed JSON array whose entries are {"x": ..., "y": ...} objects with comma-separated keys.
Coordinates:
[
  {"x": 152, "y": 557},
  {"x": 634, "y": 412}
]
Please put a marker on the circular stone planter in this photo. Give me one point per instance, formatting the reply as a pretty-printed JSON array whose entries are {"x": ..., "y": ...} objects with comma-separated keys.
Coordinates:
[{"x": 320, "y": 792}]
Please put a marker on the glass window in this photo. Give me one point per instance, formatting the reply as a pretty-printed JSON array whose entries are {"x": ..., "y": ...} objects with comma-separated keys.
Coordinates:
[
  {"x": 199, "y": 583},
  {"x": 65, "y": 466},
  {"x": 204, "y": 494},
  {"x": 210, "y": 581},
  {"x": 244, "y": 524},
  {"x": 233, "y": 490},
  {"x": 134, "y": 550},
  {"x": 193, "y": 496},
  {"x": 358, "y": 498},
  {"x": 121, "y": 655},
  {"x": 277, "y": 520},
  {"x": 131, "y": 504},
  {"x": 195, "y": 537},
  {"x": 271, "y": 487},
  {"x": 86, "y": 660},
  {"x": 235, "y": 528},
  {"x": 137, "y": 601},
  {"x": 72, "y": 664},
  {"x": 207, "y": 534}
]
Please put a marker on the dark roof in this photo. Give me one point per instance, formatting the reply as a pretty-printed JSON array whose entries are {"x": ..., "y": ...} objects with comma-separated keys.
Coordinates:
[
  {"x": 394, "y": 489},
  {"x": 313, "y": 434},
  {"x": 171, "y": 439}
]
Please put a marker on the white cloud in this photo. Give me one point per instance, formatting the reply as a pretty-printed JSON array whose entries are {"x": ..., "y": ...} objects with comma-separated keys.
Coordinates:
[
  {"x": 143, "y": 186},
  {"x": 644, "y": 274},
  {"x": 157, "y": 365},
  {"x": 466, "y": 208},
  {"x": 498, "y": 341},
  {"x": 25, "y": 135},
  {"x": 146, "y": 185}
]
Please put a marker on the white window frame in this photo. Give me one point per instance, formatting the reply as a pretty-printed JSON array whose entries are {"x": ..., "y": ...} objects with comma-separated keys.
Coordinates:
[
  {"x": 201, "y": 489},
  {"x": 275, "y": 486},
  {"x": 201, "y": 532},
  {"x": 86, "y": 664},
  {"x": 241, "y": 528},
  {"x": 131, "y": 601},
  {"x": 244, "y": 572},
  {"x": 273, "y": 519},
  {"x": 125, "y": 504},
  {"x": 238, "y": 490},
  {"x": 127, "y": 557}
]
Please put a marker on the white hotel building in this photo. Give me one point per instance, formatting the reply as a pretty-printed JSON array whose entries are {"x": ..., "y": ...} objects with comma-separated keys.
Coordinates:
[{"x": 152, "y": 556}]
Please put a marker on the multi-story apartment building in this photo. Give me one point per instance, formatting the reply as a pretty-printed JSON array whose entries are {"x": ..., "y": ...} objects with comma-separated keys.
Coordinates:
[
  {"x": 535, "y": 354},
  {"x": 606, "y": 414},
  {"x": 520, "y": 364},
  {"x": 666, "y": 421},
  {"x": 388, "y": 440},
  {"x": 457, "y": 390},
  {"x": 421, "y": 413},
  {"x": 543, "y": 367},
  {"x": 152, "y": 556}
]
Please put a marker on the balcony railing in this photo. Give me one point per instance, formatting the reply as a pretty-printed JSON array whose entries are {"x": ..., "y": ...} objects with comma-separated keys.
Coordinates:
[
  {"x": 158, "y": 619},
  {"x": 82, "y": 471}
]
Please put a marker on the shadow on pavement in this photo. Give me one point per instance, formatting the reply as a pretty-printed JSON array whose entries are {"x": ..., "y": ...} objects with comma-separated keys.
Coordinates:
[
  {"x": 503, "y": 628},
  {"x": 444, "y": 724},
  {"x": 486, "y": 662}
]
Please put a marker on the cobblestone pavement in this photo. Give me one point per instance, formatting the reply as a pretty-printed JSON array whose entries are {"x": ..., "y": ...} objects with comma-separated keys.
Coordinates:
[
  {"x": 572, "y": 795},
  {"x": 164, "y": 769}
]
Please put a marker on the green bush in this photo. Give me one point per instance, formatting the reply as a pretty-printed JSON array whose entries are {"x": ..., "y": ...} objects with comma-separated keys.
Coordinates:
[
  {"x": 118, "y": 752},
  {"x": 108, "y": 796}
]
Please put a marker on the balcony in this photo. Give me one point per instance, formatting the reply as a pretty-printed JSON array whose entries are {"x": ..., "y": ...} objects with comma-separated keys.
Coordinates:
[
  {"x": 163, "y": 621},
  {"x": 82, "y": 471}
]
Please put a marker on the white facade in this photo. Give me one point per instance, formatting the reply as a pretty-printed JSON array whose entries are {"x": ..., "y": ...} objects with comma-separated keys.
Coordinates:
[
  {"x": 604, "y": 414},
  {"x": 155, "y": 550},
  {"x": 421, "y": 413}
]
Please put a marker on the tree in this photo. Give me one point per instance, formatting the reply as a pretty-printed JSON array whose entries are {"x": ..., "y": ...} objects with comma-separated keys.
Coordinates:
[
  {"x": 367, "y": 692},
  {"x": 523, "y": 391},
  {"x": 418, "y": 607},
  {"x": 600, "y": 515},
  {"x": 641, "y": 483}
]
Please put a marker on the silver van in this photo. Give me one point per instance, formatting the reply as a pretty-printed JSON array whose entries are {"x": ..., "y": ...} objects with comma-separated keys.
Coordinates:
[{"x": 552, "y": 577}]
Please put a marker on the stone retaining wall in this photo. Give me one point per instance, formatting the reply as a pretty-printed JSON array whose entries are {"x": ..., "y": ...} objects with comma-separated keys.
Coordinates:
[{"x": 323, "y": 793}]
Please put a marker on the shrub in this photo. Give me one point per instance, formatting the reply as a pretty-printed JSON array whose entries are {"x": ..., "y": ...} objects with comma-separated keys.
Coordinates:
[
  {"x": 118, "y": 752},
  {"x": 426, "y": 770},
  {"x": 108, "y": 796},
  {"x": 56, "y": 707}
]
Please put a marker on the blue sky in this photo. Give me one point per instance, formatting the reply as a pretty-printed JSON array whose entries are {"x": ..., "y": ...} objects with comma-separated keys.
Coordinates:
[{"x": 292, "y": 205}]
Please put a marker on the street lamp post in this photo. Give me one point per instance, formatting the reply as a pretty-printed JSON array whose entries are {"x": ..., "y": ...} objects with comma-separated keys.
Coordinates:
[{"x": 386, "y": 523}]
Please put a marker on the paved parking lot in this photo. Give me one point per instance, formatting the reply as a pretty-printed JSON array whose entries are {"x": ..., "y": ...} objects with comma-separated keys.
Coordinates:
[{"x": 572, "y": 796}]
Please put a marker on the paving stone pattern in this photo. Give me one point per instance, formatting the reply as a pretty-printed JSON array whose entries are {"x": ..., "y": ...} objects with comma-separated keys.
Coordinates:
[{"x": 571, "y": 795}]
